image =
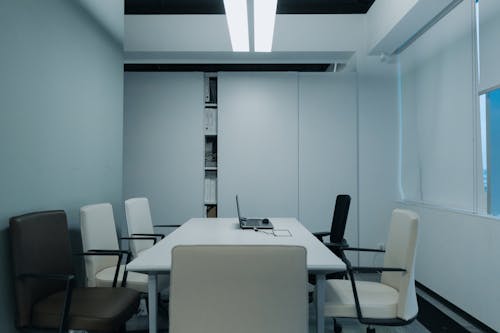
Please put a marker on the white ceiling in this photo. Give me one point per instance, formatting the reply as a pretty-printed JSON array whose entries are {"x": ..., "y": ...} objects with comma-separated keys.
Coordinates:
[
  {"x": 297, "y": 38},
  {"x": 205, "y": 38}
]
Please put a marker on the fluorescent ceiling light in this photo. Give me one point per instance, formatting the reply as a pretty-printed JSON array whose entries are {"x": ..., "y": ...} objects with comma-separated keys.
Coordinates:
[
  {"x": 264, "y": 17},
  {"x": 237, "y": 21}
]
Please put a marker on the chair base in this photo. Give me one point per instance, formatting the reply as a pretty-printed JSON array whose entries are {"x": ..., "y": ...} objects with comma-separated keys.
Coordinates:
[{"x": 337, "y": 328}]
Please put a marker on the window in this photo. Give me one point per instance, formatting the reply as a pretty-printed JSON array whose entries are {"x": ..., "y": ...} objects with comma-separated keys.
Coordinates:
[
  {"x": 450, "y": 154},
  {"x": 490, "y": 142},
  {"x": 488, "y": 27},
  {"x": 437, "y": 112}
]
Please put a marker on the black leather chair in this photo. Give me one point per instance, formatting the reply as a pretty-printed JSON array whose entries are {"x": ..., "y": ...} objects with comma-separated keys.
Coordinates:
[
  {"x": 337, "y": 230},
  {"x": 46, "y": 295},
  {"x": 339, "y": 221}
]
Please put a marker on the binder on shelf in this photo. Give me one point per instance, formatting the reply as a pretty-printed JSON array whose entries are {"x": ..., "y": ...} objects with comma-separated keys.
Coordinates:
[
  {"x": 210, "y": 188},
  {"x": 206, "y": 191},
  {"x": 210, "y": 121},
  {"x": 207, "y": 89},
  {"x": 210, "y": 83},
  {"x": 212, "y": 89},
  {"x": 212, "y": 211}
]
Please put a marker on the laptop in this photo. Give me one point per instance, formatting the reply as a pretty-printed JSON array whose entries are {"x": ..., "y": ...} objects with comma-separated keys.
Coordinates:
[{"x": 253, "y": 223}]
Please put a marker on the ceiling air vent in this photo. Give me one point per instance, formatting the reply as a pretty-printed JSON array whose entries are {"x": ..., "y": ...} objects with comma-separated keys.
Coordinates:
[{"x": 336, "y": 67}]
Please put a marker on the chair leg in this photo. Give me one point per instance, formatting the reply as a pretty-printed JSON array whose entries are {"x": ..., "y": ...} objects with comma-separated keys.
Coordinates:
[
  {"x": 161, "y": 306},
  {"x": 370, "y": 329},
  {"x": 337, "y": 328}
]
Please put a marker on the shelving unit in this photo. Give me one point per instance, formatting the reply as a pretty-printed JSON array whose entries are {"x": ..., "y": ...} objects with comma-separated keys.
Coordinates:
[{"x": 210, "y": 139}]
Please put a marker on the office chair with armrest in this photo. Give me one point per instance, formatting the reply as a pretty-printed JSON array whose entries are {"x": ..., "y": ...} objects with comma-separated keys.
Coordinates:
[
  {"x": 336, "y": 233},
  {"x": 140, "y": 224},
  {"x": 390, "y": 302},
  {"x": 243, "y": 288},
  {"x": 99, "y": 233},
  {"x": 46, "y": 295},
  {"x": 339, "y": 221}
]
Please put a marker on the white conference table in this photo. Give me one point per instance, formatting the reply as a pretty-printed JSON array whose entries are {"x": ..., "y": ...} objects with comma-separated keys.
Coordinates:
[{"x": 215, "y": 231}]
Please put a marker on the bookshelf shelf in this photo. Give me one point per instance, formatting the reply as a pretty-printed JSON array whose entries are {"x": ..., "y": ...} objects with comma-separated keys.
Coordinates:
[{"x": 210, "y": 138}]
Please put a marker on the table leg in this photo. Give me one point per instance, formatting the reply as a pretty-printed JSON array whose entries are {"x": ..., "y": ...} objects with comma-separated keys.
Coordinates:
[
  {"x": 320, "y": 303},
  {"x": 153, "y": 302}
]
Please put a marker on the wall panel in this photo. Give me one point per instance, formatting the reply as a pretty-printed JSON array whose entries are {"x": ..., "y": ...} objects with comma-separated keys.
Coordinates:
[{"x": 258, "y": 144}]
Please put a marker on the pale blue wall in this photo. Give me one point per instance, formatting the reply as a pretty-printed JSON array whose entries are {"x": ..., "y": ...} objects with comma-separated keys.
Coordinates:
[{"x": 61, "y": 118}]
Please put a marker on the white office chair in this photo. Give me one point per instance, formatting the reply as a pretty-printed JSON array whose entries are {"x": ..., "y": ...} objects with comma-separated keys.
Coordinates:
[
  {"x": 99, "y": 233},
  {"x": 390, "y": 302},
  {"x": 141, "y": 233},
  {"x": 140, "y": 224},
  {"x": 238, "y": 288}
]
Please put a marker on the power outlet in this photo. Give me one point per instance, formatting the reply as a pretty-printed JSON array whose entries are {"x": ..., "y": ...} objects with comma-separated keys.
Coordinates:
[{"x": 381, "y": 246}]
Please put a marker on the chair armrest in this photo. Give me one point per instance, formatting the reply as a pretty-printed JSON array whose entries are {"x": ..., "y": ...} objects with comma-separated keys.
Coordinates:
[
  {"x": 353, "y": 285},
  {"x": 70, "y": 282},
  {"x": 377, "y": 269},
  {"x": 140, "y": 238},
  {"x": 350, "y": 271},
  {"x": 320, "y": 235},
  {"x": 362, "y": 320},
  {"x": 360, "y": 249},
  {"x": 337, "y": 246},
  {"x": 151, "y": 235},
  {"x": 119, "y": 254},
  {"x": 167, "y": 225}
]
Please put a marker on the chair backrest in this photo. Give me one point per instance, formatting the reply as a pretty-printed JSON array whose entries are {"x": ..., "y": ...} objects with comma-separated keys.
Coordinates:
[
  {"x": 138, "y": 222},
  {"x": 339, "y": 219},
  {"x": 39, "y": 244},
  {"x": 98, "y": 233},
  {"x": 400, "y": 253},
  {"x": 238, "y": 288}
]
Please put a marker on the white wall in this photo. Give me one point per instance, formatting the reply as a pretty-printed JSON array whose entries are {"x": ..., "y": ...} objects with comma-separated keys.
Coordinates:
[
  {"x": 458, "y": 259},
  {"x": 163, "y": 143},
  {"x": 328, "y": 157},
  {"x": 378, "y": 153},
  {"x": 258, "y": 144},
  {"x": 61, "y": 120}
]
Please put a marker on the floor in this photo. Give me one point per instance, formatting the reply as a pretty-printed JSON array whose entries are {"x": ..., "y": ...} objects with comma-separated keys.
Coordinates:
[
  {"x": 468, "y": 327},
  {"x": 139, "y": 323},
  {"x": 352, "y": 325}
]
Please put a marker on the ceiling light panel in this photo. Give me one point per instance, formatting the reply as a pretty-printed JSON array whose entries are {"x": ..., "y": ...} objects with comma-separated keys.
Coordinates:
[
  {"x": 237, "y": 21},
  {"x": 264, "y": 17}
]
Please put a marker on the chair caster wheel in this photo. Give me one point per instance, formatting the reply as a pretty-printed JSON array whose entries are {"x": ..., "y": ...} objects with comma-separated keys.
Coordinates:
[{"x": 370, "y": 330}]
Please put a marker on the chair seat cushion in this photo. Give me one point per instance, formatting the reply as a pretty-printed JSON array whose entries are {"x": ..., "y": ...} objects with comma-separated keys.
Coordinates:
[
  {"x": 92, "y": 309},
  {"x": 377, "y": 300},
  {"x": 136, "y": 281}
]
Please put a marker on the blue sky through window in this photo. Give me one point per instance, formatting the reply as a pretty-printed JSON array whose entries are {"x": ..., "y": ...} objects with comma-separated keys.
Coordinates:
[{"x": 493, "y": 133}]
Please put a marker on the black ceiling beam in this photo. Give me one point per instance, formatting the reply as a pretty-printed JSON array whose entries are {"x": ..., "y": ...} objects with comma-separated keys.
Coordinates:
[
  {"x": 226, "y": 67},
  {"x": 179, "y": 7}
]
